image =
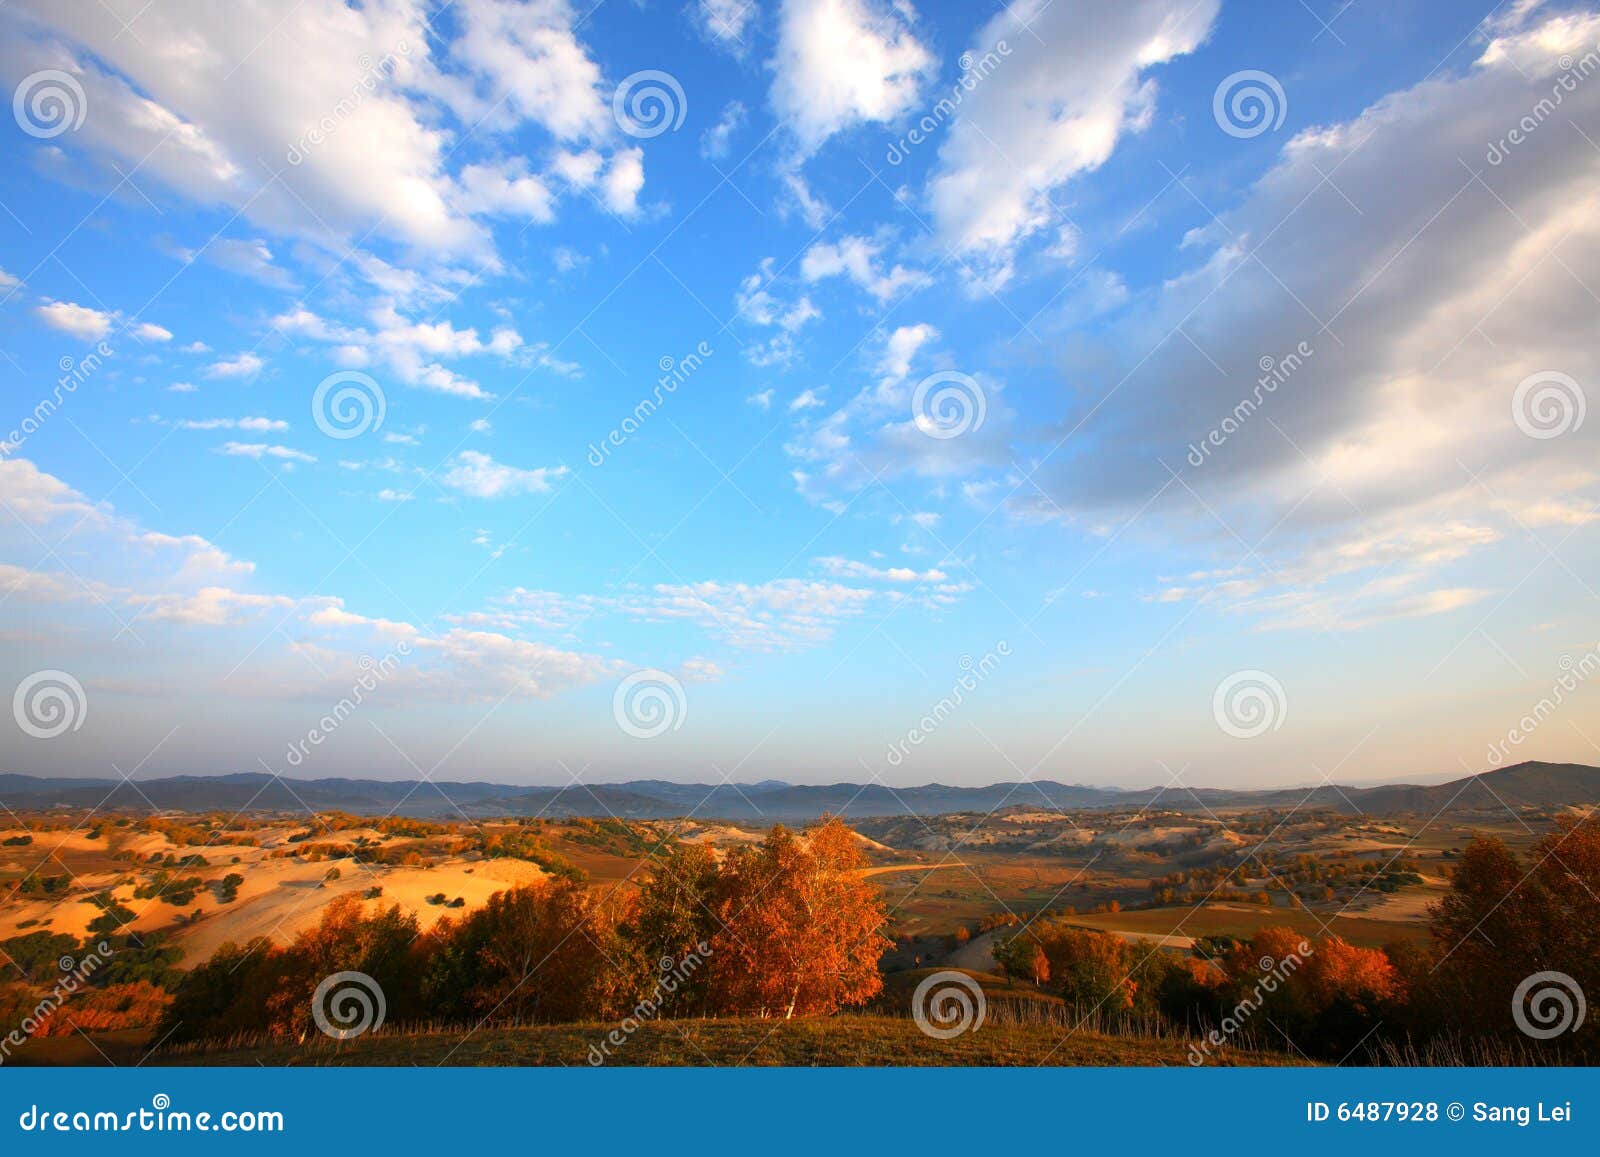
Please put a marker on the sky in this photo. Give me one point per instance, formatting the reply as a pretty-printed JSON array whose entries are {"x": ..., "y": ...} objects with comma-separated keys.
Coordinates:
[{"x": 1168, "y": 392}]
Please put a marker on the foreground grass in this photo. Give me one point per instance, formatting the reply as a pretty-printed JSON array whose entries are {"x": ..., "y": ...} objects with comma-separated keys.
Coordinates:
[{"x": 830, "y": 1041}]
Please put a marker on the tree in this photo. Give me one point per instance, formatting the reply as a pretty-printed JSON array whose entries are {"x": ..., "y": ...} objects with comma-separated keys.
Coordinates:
[
  {"x": 800, "y": 931},
  {"x": 1505, "y": 920},
  {"x": 1040, "y": 966}
]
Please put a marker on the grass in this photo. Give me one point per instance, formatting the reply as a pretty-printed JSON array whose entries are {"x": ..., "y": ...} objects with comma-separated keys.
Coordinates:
[
  {"x": 1210, "y": 920},
  {"x": 827, "y": 1041}
]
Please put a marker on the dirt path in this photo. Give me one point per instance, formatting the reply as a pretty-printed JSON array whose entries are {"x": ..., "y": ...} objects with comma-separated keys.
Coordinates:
[
  {"x": 976, "y": 955},
  {"x": 865, "y": 872}
]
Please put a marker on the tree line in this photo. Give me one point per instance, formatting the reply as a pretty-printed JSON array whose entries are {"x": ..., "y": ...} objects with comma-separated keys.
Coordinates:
[
  {"x": 784, "y": 928},
  {"x": 1505, "y": 919}
]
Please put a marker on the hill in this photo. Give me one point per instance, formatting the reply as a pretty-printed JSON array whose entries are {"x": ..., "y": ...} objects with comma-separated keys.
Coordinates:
[
  {"x": 1524, "y": 785},
  {"x": 838, "y": 1040}
]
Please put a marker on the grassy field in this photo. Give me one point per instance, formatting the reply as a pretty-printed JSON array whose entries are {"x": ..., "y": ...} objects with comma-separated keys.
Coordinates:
[
  {"x": 1239, "y": 921},
  {"x": 831, "y": 1041}
]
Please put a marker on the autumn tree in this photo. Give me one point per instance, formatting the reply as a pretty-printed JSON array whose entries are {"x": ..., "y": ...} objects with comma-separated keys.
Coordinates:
[
  {"x": 1506, "y": 919},
  {"x": 800, "y": 930},
  {"x": 544, "y": 952}
]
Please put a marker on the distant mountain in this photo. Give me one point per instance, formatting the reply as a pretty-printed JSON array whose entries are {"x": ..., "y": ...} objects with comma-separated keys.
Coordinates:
[{"x": 1525, "y": 785}]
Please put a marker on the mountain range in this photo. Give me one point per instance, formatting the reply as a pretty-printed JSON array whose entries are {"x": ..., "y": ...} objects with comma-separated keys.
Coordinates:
[{"x": 1524, "y": 785}]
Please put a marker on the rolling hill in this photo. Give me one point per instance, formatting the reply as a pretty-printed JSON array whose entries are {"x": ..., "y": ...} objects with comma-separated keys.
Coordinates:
[{"x": 1524, "y": 785}]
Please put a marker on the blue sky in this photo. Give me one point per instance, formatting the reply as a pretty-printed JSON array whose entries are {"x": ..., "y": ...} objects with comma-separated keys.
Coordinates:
[{"x": 1185, "y": 391}]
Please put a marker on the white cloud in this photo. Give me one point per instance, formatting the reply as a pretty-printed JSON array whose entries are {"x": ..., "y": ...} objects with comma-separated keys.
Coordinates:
[
  {"x": 841, "y": 63},
  {"x": 244, "y": 365},
  {"x": 718, "y": 139},
  {"x": 726, "y": 21},
  {"x": 260, "y": 450},
  {"x": 622, "y": 182},
  {"x": 1444, "y": 292},
  {"x": 256, "y": 424},
  {"x": 507, "y": 188},
  {"x": 857, "y": 259},
  {"x": 209, "y": 607},
  {"x": 480, "y": 476},
  {"x": 849, "y": 568},
  {"x": 899, "y": 350},
  {"x": 78, "y": 320},
  {"x": 806, "y": 400},
  {"x": 182, "y": 388},
  {"x": 414, "y": 350},
  {"x": 782, "y": 614},
  {"x": 334, "y": 615},
  {"x": 249, "y": 258},
  {"x": 151, "y": 332},
  {"x": 1073, "y": 81},
  {"x": 762, "y": 400},
  {"x": 322, "y": 122}
]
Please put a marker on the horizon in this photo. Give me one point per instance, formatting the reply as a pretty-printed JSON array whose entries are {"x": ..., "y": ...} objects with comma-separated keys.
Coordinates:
[
  {"x": 715, "y": 393},
  {"x": 1424, "y": 780}
]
